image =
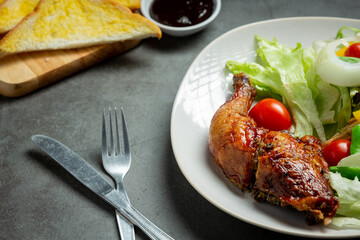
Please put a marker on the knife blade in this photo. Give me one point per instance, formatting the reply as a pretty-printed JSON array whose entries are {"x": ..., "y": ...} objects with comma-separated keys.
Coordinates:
[{"x": 93, "y": 180}]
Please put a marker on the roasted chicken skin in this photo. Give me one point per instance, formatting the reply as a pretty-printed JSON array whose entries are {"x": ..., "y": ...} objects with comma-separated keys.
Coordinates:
[
  {"x": 292, "y": 170},
  {"x": 234, "y": 137},
  {"x": 277, "y": 167}
]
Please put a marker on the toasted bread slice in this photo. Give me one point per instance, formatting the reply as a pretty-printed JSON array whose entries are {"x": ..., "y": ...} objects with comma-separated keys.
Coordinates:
[
  {"x": 132, "y": 4},
  {"x": 13, "y": 11},
  {"x": 64, "y": 24}
]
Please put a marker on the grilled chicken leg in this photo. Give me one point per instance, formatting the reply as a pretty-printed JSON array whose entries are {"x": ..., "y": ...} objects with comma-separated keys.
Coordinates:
[
  {"x": 277, "y": 167},
  {"x": 234, "y": 137}
]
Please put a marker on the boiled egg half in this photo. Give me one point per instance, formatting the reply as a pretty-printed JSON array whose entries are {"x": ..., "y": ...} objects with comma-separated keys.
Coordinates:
[{"x": 332, "y": 69}]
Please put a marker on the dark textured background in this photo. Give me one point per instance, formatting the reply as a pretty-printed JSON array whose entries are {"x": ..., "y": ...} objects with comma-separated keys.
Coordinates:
[{"x": 39, "y": 200}]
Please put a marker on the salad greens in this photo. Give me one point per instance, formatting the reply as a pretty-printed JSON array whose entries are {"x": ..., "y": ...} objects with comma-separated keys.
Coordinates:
[
  {"x": 352, "y": 160},
  {"x": 348, "y": 192},
  {"x": 288, "y": 74}
]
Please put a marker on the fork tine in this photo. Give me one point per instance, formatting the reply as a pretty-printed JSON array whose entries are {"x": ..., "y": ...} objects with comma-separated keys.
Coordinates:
[
  {"x": 112, "y": 146},
  {"x": 103, "y": 138},
  {"x": 117, "y": 133},
  {"x": 125, "y": 134}
]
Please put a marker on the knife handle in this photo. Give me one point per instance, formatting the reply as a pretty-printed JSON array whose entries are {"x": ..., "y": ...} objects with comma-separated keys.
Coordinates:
[
  {"x": 134, "y": 216},
  {"x": 147, "y": 226}
]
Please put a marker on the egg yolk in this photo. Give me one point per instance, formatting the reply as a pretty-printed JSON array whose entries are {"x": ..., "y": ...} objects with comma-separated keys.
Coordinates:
[{"x": 341, "y": 52}]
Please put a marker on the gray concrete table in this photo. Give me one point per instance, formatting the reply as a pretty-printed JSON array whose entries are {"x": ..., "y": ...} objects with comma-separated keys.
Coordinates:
[{"x": 39, "y": 200}]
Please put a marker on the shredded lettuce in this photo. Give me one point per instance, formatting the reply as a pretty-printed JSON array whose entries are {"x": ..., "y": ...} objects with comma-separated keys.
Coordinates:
[
  {"x": 348, "y": 192},
  {"x": 345, "y": 222},
  {"x": 288, "y": 74},
  {"x": 332, "y": 102}
]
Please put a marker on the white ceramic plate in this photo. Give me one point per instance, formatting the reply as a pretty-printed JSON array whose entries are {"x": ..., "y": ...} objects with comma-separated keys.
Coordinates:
[{"x": 207, "y": 85}]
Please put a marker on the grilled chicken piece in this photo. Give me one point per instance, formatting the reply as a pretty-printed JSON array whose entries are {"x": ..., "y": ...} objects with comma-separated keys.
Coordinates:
[
  {"x": 277, "y": 167},
  {"x": 234, "y": 136},
  {"x": 292, "y": 170}
]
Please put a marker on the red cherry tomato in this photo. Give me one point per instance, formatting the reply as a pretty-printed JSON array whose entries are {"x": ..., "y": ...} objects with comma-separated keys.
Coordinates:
[
  {"x": 336, "y": 150},
  {"x": 271, "y": 114},
  {"x": 353, "y": 50}
]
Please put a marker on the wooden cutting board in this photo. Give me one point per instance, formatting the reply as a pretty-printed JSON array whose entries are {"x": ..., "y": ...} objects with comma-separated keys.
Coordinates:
[{"x": 23, "y": 73}]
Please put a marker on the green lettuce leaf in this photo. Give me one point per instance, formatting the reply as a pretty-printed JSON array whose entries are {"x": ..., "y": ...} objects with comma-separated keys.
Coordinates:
[
  {"x": 345, "y": 222},
  {"x": 332, "y": 102},
  {"x": 348, "y": 192},
  {"x": 266, "y": 79}
]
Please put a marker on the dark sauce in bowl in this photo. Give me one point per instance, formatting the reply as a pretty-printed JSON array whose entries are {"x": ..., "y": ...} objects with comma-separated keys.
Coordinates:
[{"x": 181, "y": 13}]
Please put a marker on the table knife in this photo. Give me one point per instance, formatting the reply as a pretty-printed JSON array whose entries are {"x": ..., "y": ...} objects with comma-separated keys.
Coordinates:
[{"x": 93, "y": 180}]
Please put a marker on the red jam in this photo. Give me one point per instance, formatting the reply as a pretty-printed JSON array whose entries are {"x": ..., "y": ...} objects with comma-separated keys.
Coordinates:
[{"x": 181, "y": 13}]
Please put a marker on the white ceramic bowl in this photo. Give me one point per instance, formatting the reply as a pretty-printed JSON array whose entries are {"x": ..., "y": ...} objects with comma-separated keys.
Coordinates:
[{"x": 180, "y": 31}]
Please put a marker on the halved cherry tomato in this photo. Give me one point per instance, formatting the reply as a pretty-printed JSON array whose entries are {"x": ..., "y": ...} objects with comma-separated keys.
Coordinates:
[
  {"x": 271, "y": 114},
  {"x": 353, "y": 50},
  {"x": 336, "y": 150}
]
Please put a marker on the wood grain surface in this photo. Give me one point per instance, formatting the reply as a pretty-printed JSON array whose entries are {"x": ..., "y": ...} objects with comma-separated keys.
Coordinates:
[{"x": 26, "y": 72}]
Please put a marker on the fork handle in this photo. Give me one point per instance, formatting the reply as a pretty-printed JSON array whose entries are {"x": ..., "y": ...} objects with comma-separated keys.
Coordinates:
[
  {"x": 125, "y": 227},
  {"x": 134, "y": 216}
]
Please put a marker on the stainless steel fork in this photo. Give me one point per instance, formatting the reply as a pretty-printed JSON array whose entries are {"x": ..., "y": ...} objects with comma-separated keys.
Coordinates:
[{"x": 117, "y": 163}]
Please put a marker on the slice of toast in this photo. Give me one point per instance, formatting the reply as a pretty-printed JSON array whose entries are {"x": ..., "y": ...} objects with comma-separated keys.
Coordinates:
[
  {"x": 132, "y": 4},
  {"x": 13, "y": 11},
  {"x": 65, "y": 24}
]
